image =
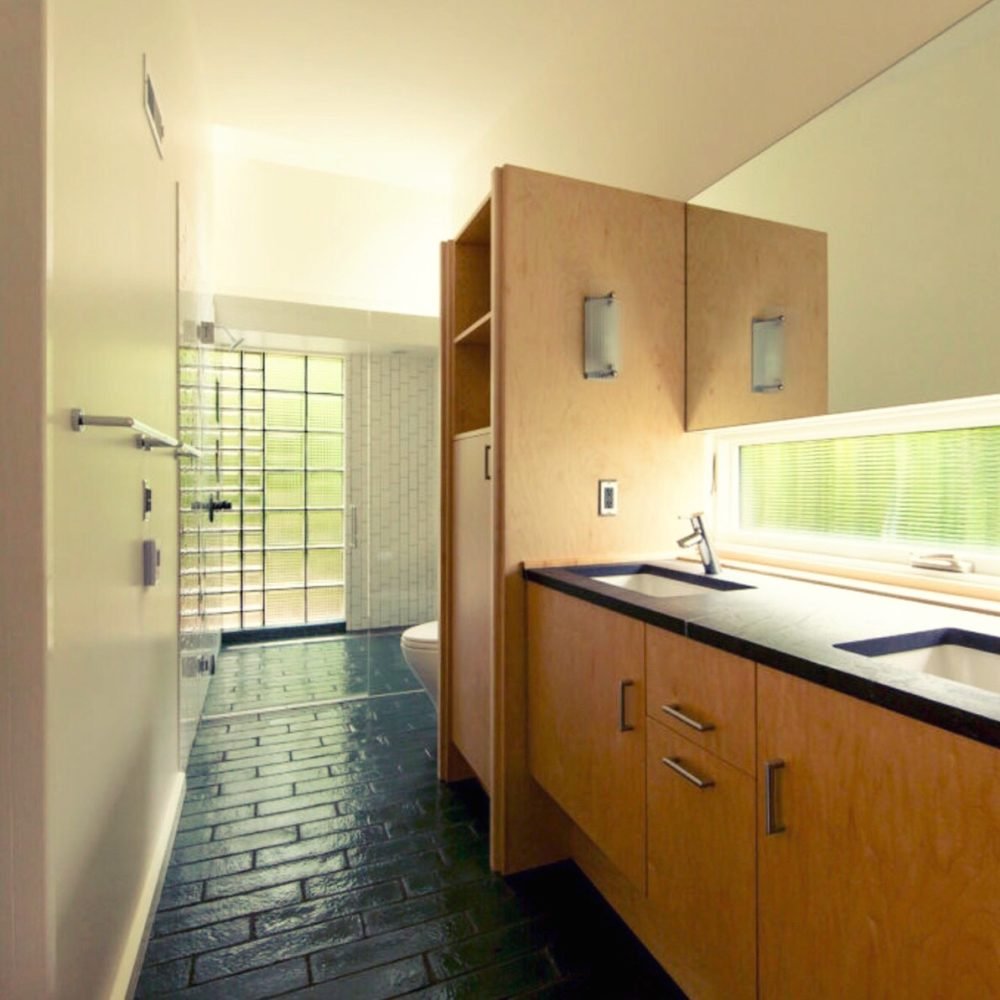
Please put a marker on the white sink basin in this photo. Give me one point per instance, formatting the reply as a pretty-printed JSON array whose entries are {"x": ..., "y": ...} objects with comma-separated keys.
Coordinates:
[
  {"x": 653, "y": 585},
  {"x": 965, "y": 657},
  {"x": 956, "y": 663}
]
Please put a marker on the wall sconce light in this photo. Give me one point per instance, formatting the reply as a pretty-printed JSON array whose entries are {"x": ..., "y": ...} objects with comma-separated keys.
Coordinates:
[
  {"x": 767, "y": 339},
  {"x": 601, "y": 350}
]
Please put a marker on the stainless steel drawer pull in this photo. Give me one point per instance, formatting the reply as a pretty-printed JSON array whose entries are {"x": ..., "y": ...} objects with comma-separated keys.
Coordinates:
[
  {"x": 675, "y": 712},
  {"x": 623, "y": 726},
  {"x": 675, "y": 764},
  {"x": 772, "y": 821}
]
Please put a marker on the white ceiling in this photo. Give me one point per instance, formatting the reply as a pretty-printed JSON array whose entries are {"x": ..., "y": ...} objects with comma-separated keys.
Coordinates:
[{"x": 401, "y": 90}]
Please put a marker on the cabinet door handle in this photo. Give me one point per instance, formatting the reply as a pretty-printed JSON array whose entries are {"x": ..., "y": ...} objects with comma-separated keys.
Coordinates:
[
  {"x": 675, "y": 712},
  {"x": 486, "y": 462},
  {"x": 674, "y": 763},
  {"x": 623, "y": 726},
  {"x": 772, "y": 821}
]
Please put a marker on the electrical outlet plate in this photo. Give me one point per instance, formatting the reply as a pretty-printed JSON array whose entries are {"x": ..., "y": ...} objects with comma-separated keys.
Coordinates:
[{"x": 607, "y": 497}]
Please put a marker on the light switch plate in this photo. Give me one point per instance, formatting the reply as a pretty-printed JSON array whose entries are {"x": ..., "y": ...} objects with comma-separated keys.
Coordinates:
[{"x": 607, "y": 497}]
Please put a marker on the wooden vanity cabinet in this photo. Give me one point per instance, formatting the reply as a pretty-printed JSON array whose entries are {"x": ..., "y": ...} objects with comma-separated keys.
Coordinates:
[
  {"x": 586, "y": 723},
  {"x": 701, "y": 854},
  {"x": 702, "y": 693},
  {"x": 701, "y": 866},
  {"x": 884, "y": 880}
]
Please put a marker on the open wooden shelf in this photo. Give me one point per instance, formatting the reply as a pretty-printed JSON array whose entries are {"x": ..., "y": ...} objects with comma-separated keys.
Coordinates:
[
  {"x": 476, "y": 333},
  {"x": 470, "y": 432},
  {"x": 477, "y": 231}
]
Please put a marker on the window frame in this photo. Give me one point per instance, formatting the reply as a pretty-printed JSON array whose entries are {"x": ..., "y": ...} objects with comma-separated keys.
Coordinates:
[{"x": 780, "y": 548}]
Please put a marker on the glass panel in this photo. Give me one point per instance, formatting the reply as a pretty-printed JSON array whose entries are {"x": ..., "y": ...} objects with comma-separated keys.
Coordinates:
[
  {"x": 253, "y": 380},
  {"x": 252, "y": 359},
  {"x": 325, "y": 527},
  {"x": 253, "y": 600},
  {"x": 284, "y": 607},
  {"x": 326, "y": 566},
  {"x": 325, "y": 451},
  {"x": 326, "y": 374},
  {"x": 252, "y": 399},
  {"x": 284, "y": 371},
  {"x": 286, "y": 528},
  {"x": 253, "y": 619},
  {"x": 254, "y": 559},
  {"x": 325, "y": 489},
  {"x": 284, "y": 411},
  {"x": 926, "y": 487},
  {"x": 228, "y": 520},
  {"x": 325, "y": 604},
  {"x": 283, "y": 568},
  {"x": 285, "y": 489},
  {"x": 326, "y": 413},
  {"x": 284, "y": 451}
]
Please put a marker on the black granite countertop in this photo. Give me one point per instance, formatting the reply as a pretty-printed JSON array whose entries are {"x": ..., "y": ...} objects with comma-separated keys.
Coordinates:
[{"x": 792, "y": 626}]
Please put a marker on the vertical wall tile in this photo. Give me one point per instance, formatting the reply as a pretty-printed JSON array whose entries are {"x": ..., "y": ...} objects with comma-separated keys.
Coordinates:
[{"x": 393, "y": 482}]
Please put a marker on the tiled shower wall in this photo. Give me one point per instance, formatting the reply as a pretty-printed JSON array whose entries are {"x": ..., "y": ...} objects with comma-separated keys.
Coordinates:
[{"x": 392, "y": 484}]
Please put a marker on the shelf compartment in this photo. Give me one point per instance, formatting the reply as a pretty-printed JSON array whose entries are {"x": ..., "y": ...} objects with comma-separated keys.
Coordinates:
[{"x": 477, "y": 333}]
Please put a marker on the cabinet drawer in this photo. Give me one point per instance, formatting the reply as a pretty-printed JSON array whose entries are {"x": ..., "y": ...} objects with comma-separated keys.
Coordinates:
[
  {"x": 701, "y": 866},
  {"x": 691, "y": 685}
]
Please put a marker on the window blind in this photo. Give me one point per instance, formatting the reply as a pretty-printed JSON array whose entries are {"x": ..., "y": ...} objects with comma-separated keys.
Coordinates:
[{"x": 930, "y": 488}]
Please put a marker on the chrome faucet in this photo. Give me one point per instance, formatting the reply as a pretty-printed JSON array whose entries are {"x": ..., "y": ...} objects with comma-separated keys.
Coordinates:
[{"x": 699, "y": 537}]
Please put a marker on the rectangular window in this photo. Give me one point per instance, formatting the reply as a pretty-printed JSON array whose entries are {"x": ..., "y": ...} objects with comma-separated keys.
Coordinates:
[
  {"x": 275, "y": 438},
  {"x": 878, "y": 486}
]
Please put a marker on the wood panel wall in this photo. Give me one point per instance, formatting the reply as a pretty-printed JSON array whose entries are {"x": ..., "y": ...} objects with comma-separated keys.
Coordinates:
[
  {"x": 556, "y": 434},
  {"x": 739, "y": 268}
]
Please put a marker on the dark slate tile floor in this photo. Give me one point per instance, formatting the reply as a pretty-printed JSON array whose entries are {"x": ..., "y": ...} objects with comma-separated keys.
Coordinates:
[
  {"x": 271, "y": 675},
  {"x": 318, "y": 856}
]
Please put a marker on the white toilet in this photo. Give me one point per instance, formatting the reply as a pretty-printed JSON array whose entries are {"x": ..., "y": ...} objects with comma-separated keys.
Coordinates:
[{"x": 420, "y": 650}]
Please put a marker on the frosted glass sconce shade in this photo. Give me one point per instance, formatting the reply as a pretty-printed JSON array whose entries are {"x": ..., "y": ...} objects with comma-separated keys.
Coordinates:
[
  {"x": 767, "y": 338},
  {"x": 601, "y": 349}
]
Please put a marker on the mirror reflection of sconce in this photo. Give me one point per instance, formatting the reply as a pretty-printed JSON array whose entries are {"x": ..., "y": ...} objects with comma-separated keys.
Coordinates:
[
  {"x": 601, "y": 348},
  {"x": 767, "y": 339}
]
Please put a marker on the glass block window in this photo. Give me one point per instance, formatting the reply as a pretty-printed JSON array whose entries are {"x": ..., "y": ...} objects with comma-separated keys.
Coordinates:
[{"x": 274, "y": 429}]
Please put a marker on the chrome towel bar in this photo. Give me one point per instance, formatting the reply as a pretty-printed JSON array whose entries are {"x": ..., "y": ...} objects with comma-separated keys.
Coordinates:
[{"x": 147, "y": 437}]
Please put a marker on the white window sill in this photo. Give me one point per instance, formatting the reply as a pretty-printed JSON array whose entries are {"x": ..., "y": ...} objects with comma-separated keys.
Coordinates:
[{"x": 967, "y": 591}]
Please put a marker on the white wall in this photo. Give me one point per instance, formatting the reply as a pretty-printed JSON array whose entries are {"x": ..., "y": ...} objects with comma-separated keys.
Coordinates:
[
  {"x": 304, "y": 236},
  {"x": 644, "y": 109},
  {"x": 24, "y": 948},
  {"x": 903, "y": 177},
  {"x": 112, "y": 779}
]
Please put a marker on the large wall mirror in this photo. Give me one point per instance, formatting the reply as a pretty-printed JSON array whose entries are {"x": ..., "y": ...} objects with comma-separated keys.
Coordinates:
[{"x": 904, "y": 176}]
